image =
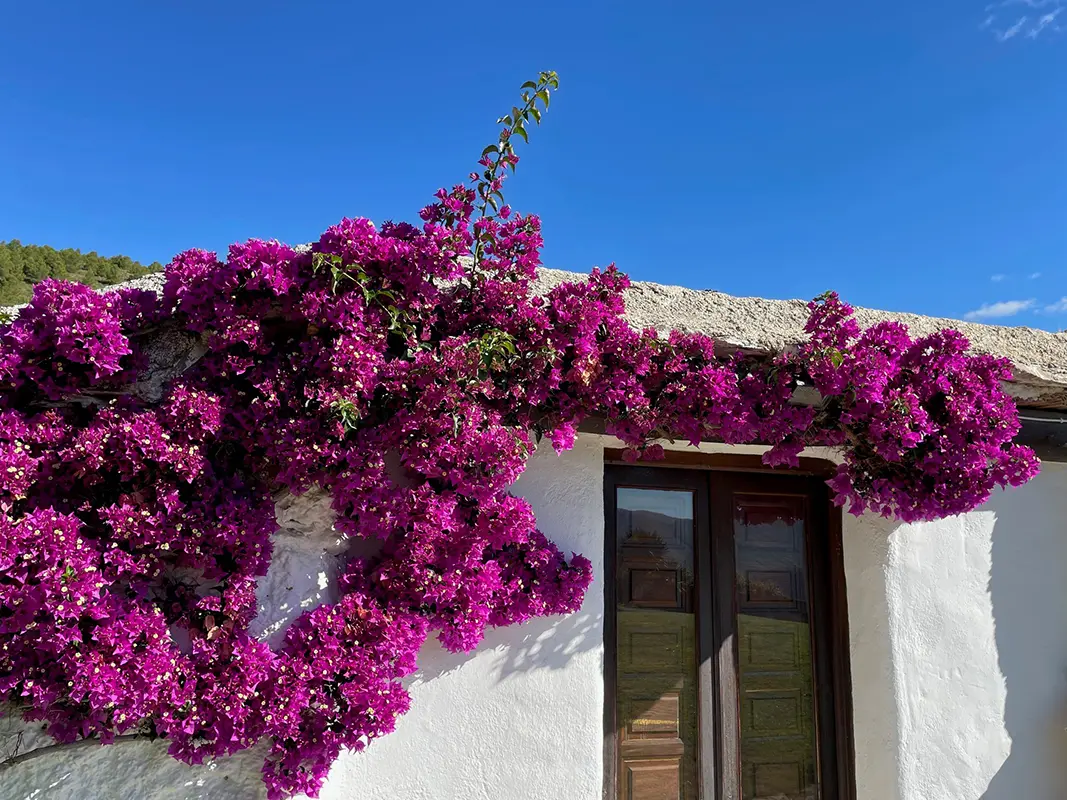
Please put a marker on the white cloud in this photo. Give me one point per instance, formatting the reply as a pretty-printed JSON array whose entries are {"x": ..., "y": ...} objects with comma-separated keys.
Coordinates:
[
  {"x": 997, "y": 278},
  {"x": 1035, "y": 275},
  {"x": 1031, "y": 25},
  {"x": 1013, "y": 31},
  {"x": 1044, "y": 22},
  {"x": 1059, "y": 307},
  {"x": 1003, "y": 308}
]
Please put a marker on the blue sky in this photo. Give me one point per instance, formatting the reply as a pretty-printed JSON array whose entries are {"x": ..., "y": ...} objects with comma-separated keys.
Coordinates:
[{"x": 909, "y": 154}]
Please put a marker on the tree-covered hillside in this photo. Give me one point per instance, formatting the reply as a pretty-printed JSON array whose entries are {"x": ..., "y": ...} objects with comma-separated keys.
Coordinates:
[{"x": 22, "y": 265}]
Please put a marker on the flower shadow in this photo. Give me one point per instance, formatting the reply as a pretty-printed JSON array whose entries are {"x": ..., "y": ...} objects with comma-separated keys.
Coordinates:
[{"x": 547, "y": 643}]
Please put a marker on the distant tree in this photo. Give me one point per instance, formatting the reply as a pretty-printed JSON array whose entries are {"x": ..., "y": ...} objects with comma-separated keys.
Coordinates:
[{"x": 23, "y": 265}]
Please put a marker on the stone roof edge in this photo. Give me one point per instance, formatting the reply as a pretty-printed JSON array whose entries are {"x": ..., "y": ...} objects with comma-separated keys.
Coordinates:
[{"x": 761, "y": 325}]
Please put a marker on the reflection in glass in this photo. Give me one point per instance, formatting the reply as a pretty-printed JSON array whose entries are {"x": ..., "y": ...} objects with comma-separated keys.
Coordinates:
[
  {"x": 776, "y": 692},
  {"x": 657, "y": 684}
]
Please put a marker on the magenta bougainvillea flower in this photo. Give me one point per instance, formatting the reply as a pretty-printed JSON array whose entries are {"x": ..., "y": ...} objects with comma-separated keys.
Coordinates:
[{"x": 409, "y": 371}]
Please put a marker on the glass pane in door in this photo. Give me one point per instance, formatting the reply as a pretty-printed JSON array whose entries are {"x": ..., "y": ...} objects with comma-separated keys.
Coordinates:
[
  {"x": 775, "y": 680},
  {"x": 656, "y": 695}
]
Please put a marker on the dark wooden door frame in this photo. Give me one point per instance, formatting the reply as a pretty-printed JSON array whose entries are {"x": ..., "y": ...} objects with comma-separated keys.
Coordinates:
[{"x": 718, "y": 719}]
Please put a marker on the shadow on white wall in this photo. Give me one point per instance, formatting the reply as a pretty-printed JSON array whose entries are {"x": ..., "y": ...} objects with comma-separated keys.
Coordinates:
[
  {"x": 1028, "y": 588},
  {"x": 543, "y": 643}
]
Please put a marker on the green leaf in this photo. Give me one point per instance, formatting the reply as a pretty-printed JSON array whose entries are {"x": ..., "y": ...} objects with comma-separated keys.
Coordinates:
[
  {"x": 490, "y": 149},
  {"x": 536, "y": 113},
  {"x": 543, "y": 97},
  {"x": 529, "y": 85},
  {"x": 519, "y": 129},
  {"x": 347, "y": 411},
  {"x": 338, "y": 274},
  {"x": 320, "y": 260}
]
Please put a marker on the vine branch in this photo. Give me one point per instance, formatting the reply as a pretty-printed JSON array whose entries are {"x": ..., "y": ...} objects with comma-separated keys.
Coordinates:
[{"x": 80, "y": 744}]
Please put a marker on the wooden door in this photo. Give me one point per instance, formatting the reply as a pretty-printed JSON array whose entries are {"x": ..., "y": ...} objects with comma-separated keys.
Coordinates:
[{"x": 727, "y": 672}]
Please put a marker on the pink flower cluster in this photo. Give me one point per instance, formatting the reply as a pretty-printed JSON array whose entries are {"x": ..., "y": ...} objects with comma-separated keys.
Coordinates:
[
  {"x": 927, "y": 427},
  {"x": 408, "y": 371}
]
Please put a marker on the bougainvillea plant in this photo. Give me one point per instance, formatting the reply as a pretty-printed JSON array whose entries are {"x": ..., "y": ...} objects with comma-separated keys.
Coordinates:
[{"x": 408, "y": 371}]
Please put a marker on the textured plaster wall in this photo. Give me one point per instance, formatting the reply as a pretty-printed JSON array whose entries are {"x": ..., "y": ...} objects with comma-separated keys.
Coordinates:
[
  {"x": 978, "y": 629},
  {"x": 958, "y": 643}
]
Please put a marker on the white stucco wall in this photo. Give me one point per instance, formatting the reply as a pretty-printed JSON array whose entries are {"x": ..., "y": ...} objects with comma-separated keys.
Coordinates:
[
  {"x": 959, "y": 658},
  {"x": 978, "y": 625}
]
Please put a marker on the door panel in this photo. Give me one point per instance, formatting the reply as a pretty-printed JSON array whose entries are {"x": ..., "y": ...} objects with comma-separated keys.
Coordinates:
[
  {"x": 657, "y": 664},
  {"x": 775, "y": 686}
]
